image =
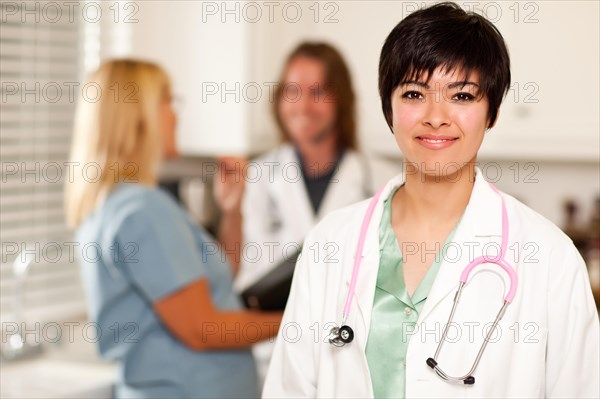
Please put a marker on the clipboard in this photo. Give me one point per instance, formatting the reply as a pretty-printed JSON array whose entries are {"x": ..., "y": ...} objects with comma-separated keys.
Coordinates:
[{"x": 270, "y": 293}]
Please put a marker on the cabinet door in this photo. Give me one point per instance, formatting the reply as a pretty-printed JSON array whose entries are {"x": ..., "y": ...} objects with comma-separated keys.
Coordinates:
[
  {"x": 551, "y": 110},
  {"x": 204, "y": 47}
]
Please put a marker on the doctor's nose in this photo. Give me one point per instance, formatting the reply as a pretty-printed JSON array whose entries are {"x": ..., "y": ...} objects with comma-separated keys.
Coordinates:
[
  {"x": 305, "y": 101},
  {"x": 436, "y": 115}
]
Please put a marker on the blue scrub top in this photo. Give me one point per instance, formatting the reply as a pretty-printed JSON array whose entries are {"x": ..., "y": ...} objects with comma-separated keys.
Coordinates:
[{"x": 138, "y": 248}]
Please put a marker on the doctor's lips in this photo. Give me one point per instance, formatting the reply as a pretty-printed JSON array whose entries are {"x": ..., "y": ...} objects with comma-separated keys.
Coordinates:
[{"x": 434, "y": 142}]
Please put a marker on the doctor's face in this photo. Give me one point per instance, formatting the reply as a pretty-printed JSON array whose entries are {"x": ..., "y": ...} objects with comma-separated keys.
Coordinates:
[
  {"x": 306, "y": 109},
  {"x": 439, "y": 125}
]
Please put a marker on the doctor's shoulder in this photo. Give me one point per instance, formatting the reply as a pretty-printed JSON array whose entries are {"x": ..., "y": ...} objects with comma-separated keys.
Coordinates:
[
  {"x": 265, "y": 167},
  {"x": 540, "y": 242},
  {"x": 271, "y": 155},
  {"x": 555, "y": 291},
  {"x": 358, "y": 169}
]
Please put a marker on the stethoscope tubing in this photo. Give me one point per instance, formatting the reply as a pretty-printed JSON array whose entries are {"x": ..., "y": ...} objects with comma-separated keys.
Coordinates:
[
  {"x": 358, "y": 255},
  {"x": 500, "y": 261}
]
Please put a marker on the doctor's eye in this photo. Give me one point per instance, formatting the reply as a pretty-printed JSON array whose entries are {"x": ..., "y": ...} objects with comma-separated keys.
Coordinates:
[
  {"x": 317, "y": 91},
  {"x": 291, "y": 92},
  {"x": 412, "y": 95},
  {"x": 463, "y": 97}
]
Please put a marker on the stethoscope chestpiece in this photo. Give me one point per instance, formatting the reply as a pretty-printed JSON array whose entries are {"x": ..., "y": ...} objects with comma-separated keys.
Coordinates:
[
  {"x": 346, "y": 334},
  {"x": 340, "y": 336}
]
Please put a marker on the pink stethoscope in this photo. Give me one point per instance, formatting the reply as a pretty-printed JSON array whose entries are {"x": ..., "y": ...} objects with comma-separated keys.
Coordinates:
[{"x": 340, "y": 336}]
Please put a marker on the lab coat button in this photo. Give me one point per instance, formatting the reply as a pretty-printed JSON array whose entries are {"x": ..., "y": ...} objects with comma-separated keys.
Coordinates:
[{"x": 407, "y": 311}]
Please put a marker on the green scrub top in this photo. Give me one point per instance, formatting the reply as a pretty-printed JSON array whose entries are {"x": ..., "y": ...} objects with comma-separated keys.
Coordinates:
[{"x": 395, "y": 313}]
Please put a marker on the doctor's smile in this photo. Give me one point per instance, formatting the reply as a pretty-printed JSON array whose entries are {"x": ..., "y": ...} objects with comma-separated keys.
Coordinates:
[{"x": 436, "y": 142}]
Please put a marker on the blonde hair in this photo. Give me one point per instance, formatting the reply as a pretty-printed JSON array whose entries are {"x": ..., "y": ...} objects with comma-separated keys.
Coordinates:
[{"x": 116, "y": 135}]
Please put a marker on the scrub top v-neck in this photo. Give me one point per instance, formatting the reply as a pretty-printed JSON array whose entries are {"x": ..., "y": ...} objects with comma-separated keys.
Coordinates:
[{"x": 395, "y": 312}]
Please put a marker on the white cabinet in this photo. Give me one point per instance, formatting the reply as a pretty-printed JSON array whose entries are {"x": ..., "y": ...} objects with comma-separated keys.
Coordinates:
[{"x": 552, "y": 109}]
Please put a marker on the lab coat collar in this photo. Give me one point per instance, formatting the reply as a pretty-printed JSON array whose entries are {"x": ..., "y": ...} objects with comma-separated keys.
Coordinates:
[
  {"x": 291, "y": 187},
  {"x": 477, "y": 216},
  {"x": 337, "y": 190},
  {"x": 481, "y": 221}
]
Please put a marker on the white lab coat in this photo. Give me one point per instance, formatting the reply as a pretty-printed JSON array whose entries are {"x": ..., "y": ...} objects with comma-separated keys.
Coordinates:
[
  {"x": 548, "y": 341},
  {"x": 277, "y": 214}
]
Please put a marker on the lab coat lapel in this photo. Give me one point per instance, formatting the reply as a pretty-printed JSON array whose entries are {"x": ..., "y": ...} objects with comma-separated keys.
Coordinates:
[
  {"x": 365, "y": 285},
  {"x": 342, "y": 183},
  {"x": 291, "y": 192},
  {"x": 480, "y": 224}
]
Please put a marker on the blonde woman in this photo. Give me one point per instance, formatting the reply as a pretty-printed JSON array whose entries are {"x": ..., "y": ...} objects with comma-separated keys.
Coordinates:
[{"x": 157, "y": 285}]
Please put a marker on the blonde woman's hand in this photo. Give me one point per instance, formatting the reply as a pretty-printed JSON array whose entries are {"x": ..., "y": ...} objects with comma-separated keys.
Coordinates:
[{"x": 229, "y": 183}]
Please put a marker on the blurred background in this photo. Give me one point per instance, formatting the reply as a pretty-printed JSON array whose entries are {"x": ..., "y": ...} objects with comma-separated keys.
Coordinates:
[{"x": 225, "y": 58}]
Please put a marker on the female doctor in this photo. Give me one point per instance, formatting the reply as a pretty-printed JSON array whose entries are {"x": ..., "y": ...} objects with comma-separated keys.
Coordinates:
[{"x": 397, "y": 322}]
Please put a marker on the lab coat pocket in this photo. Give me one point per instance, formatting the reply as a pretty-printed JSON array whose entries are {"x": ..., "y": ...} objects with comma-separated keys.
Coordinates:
[{"x": 348, "y": 372}]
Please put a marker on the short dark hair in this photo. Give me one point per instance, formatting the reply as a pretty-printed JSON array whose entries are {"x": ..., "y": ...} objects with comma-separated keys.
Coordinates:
[{"x": 444, "y": 35}]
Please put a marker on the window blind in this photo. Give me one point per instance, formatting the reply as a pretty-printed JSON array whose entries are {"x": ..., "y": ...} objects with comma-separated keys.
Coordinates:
[{"x": 40, "y": 67}]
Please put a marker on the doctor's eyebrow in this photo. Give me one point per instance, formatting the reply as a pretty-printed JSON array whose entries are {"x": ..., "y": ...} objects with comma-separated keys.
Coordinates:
[
  {"x": 462, "y": 84},
  {"x": 452, "y": 85}
]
